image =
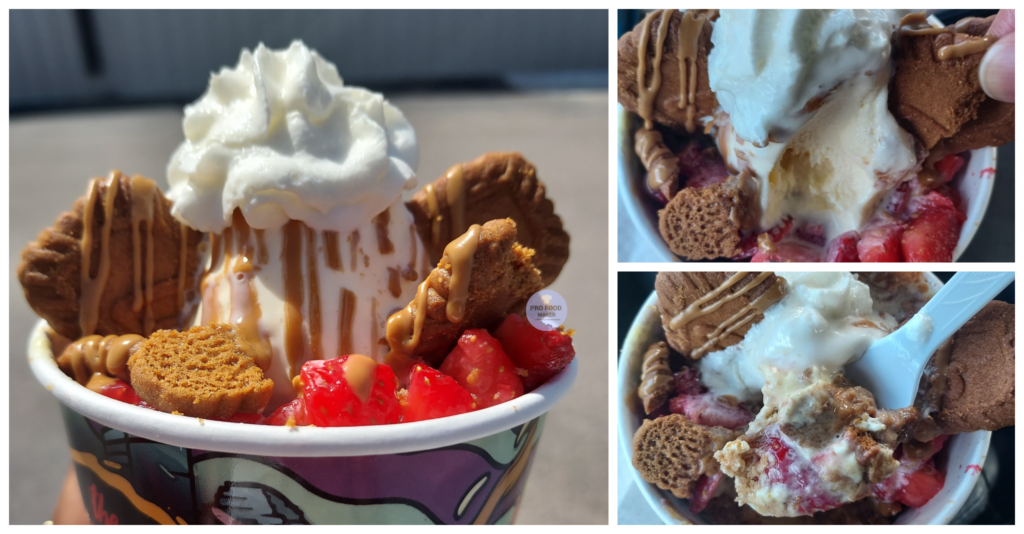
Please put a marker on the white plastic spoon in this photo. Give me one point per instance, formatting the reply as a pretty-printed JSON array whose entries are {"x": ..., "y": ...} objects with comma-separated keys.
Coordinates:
[{"x": 892, "y": 366}]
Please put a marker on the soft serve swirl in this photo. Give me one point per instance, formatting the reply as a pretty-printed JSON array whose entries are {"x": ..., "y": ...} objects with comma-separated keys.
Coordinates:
[{"x": 281, "y": 137}]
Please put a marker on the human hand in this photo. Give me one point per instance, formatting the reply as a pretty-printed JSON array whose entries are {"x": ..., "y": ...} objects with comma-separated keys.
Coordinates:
[
  {"x": 70, "y": 508},
  {"x": 996, "y": 70}
]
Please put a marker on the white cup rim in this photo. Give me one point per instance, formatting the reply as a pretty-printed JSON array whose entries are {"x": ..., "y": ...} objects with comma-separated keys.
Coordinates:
[
  {"x": 262, "y": 440},
  {"x": 671, "y": 510}
]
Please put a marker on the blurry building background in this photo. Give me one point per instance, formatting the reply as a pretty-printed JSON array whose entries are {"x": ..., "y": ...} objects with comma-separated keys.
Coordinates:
[{"x": 76, "y": 58}]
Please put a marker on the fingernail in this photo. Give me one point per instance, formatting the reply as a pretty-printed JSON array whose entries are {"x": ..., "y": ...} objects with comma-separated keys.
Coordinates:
[{"x": 996, "y": 70}]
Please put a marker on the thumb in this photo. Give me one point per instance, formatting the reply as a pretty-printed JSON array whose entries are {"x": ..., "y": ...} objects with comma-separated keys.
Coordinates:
[{"x": 996, "y": 70}]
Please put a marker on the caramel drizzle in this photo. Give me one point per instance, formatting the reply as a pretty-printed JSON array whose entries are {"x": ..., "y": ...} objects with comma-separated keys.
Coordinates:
[
  {"x": 404, "y": 329},
  {"x": 359, "y": 372},
  {"x": 95, "y": 358},
  {"x": 646, "y": 94},
  {"x": 245, "y": 307},
  {"x": 410, "y": 271},
  {"x": 689, "y": 37},
  {"x": 353, "y": 241},
  {"x": 143, "y": 196},
  {"x": 433, "y": 213},
  {"x": 381, "y": 221},
  {"x": 207, "y": 288},
  {"x": 460, "y": 254},
  {"x": 333, "y": 251},
  {"x": 346, "y": 317},
  {"x": 656, "y": 373},
  {"x": 291, "y": 256},
  {"x": 92, "y": 288},
  {"x": 661, "y": 164},
  {"x": 947, "y": 52},
  {"x": 395, "y": 281},
  {"x": 262, "y": 256},
  {"x": 746, "y": 314},
  {"x": 182, "y": 267},
  {"x": 455, "y": 193},
  {"x": 313, "y": 276}
]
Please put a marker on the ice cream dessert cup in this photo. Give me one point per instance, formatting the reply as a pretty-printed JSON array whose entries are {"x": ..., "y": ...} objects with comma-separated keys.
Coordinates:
[
  {"x": 960, "y": 453},
  {"x": 142, "y": 466}
]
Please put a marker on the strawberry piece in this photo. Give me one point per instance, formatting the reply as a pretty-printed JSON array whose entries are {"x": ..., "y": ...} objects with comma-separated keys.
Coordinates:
[
  {"x": 934, "y": 200},
  {"x": 880, "y": 243},
  {"x": 706, "y": 410},
  {"x": 701, "y": 166},
  {"x": 748, "y": 247},
  {"x": 931, "y": 236},
  {"x": 947, "y": 167},
  {"x": 798, "y": 476},
  {"x": 812, "y": 233},
  {"x": 339, "y": 393},
  {"x": 479, "y": 365},
  {"x": 787, "y": 252},
  {"x": 433, "y": 394},
  {"x": 119, "y": 390},
  {"x": 780, "y": 230},
  {"x": 843, "y": 248},
  {"x": 704, "y": 491},
  {"x": 538, "y": 355},
  {"x": 294, "y": 410},
  {"x": 920, "y": 486},
  {"x": 688, "y": 382}
]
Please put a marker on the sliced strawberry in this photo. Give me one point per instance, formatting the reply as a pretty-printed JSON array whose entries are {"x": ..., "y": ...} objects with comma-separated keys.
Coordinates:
[
  {"x": 812, "y": 233},
  {"x": 843, "y": 248},
  {"x": 931, "y": 236},
  {"x": 351, "y": 390},
  {"x": 294, "y": 410},
  {"x": 780, "y": 230},
  {"x": 947, "y": 167},
  {"x": 787, "y": 252},
  {"x": 120, "y": 390},
  {"x": 704, "y": 491},
  {"x": 706, "y": 410},
  {"x": 688, "y": 382},
  {"x": 880, "y": 243},
  {"x": 479, "y": 365},
  {"x": 920, "y": 486},
  {"x": 433, "y": 394},
  {"x": 701, "y": 166},
  {"x": 538, "y": 355},
  {"x": 748, "y": 247},
  {"x": 934, "y": 200}
]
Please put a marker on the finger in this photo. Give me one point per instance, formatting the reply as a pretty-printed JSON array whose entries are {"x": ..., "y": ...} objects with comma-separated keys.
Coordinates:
[
  {"x": 996, "y": 70},
  {"x": 70, "y": 507},
  {"x": 1003, "y": 24}
]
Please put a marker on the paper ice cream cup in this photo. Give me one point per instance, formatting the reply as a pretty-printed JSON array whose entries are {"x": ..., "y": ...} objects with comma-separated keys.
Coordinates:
[
  {"x": 141, "y": 466},
  {"x": 974, "y": 183},
  {"x": 960, "y": 460}
]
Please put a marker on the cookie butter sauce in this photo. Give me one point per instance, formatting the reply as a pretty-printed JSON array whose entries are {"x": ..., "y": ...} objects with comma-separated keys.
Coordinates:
[
  {"x": 655, "y": 371},
  {"x": 96, "y": 360},
  {"x": 917, "y": 24},
  {"x": 142, "y": 196},
  {"x": 661, "y": 164}
]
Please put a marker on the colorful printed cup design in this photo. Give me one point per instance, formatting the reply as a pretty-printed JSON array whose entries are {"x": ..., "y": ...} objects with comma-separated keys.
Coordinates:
[{"x": 130, "y": 480}]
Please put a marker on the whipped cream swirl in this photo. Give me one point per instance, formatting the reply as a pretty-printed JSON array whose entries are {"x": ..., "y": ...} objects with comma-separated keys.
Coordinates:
[{"x": 281, "y": 137}]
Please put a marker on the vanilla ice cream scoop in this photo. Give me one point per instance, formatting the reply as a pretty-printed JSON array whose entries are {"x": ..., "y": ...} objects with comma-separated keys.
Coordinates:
[
  {"x": 282, "y": 138},
  {"x": 805, "y": 93},
  {"x": 299, "y": 178},
  {"x": 825, "y": 321}
]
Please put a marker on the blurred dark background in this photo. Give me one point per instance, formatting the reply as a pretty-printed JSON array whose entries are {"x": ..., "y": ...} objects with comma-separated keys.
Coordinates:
[
  {"x": 998, "y": 509},
  {"x": 63, "y": 59}
]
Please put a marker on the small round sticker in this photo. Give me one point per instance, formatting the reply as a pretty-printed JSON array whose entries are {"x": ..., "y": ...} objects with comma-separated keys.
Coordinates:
[{"x": 546, "y": 310}]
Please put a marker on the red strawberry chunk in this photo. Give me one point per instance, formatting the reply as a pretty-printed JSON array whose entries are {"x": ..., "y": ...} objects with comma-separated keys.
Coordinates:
[
  {"x": 913, "y": 484},
  {"x": 812, "y": 233},
  {"x": 294, "y": 411},
  {"x": 538, "y": 355},
  {"x": 701, "y": 166},
  {"x": 704, "y": 491},
  {"x": 880, "y": 243},
  {"x": 688, "y": 382},
  {"x": 843, "y": 248},
  {"x": 706, "y": 410},
  {"x": 780, "y": 230},
  {"x": 351, "y": 390},
  {"x": 479, "y": 365},
  {"x": 934, "y": 200},
  {"x": 798, "y": 475},
  {"x": 947, "y": 167},
  {"x": 931, "y": 236},
  {"x": 787, "y": 252},
  {"x": 433, "y": 394},
  {"x": 120, "y": 390},
  {"x": 748, "y": 247}
]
